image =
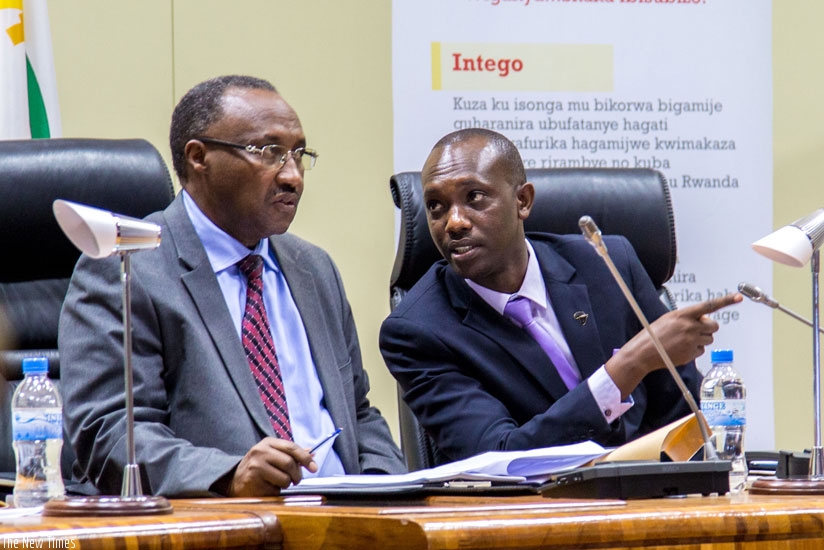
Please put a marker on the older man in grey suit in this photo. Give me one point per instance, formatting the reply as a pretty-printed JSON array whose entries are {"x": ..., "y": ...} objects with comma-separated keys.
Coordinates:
[{"x": 233, "y": 385}]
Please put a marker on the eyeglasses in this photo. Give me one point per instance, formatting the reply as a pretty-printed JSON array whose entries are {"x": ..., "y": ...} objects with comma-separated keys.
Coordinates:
[{"x": 272, "y": 155}]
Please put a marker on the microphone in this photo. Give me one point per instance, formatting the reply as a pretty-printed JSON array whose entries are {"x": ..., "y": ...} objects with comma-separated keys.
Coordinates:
[
  {"x": 757, "y": 295},
  {"x": 593, "y": 235}
]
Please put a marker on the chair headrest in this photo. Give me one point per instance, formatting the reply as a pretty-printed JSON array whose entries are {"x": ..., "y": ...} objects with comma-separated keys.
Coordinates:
[
  {"x": 634, "y": 203},
  {"x": 124, "y": 176}
]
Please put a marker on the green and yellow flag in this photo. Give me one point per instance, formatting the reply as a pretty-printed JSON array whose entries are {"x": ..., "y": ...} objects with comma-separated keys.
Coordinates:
[{"x": 28, "y": 91}]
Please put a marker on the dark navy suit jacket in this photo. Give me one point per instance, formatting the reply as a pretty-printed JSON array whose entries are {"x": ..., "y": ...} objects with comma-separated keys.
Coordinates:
[{"x": 477, "y": 382}]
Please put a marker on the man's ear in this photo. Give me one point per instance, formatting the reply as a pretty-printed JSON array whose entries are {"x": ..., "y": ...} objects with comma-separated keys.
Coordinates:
[
  {"x": 195, "y": 154},
  {"x": 525, "y": 194}
]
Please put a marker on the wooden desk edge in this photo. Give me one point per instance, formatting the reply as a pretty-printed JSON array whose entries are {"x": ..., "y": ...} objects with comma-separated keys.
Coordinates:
[
  {"x": 205, "y": 527},
  {"x": 754, "y": 521}
]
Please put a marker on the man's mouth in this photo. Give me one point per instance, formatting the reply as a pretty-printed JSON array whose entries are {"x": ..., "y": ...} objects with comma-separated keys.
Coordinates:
[
  {"x": 286, "y": 200},
  {"x": 461, "y": 248}
]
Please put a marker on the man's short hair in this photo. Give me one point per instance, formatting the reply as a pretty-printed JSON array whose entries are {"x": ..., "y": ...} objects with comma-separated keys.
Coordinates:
[
  {"x": 508, "y": 152},
  {"x": 201, "y": 107}
]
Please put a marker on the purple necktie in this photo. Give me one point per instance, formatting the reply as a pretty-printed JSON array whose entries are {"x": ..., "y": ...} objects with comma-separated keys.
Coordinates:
[
  {"x": 519, "y": 310},
  {"x": 260, "y": 348}
]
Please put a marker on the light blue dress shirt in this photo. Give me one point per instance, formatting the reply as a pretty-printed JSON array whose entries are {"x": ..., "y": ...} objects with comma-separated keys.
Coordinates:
[{"x": 310, "y": 419}]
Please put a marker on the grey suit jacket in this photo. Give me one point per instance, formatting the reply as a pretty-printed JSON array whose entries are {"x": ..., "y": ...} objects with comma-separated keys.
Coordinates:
[{"x": 197, "y": 410}]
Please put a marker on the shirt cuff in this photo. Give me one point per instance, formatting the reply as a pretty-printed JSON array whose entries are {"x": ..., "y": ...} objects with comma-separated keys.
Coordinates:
[{"x": 608, "y": 396}]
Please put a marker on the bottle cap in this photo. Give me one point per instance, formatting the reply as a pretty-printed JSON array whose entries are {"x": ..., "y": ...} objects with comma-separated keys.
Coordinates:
[
  {"x": 721, "y": 356},
  {"x": 35, "y": 365}
]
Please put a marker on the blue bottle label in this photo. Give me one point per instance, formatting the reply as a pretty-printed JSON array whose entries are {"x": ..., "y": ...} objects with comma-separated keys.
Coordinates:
[
  {"x": 31, "y": 425},
  {"x": 727, "y": 412}
]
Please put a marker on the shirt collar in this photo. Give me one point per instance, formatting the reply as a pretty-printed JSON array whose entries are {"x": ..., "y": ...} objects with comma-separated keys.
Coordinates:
[
  {"x": 222, "y": 249},
  {"x": 533, "y": 286}
]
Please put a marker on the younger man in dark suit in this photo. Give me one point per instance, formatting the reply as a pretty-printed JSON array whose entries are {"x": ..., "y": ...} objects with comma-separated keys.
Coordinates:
[{"x": 479, "y": 374}]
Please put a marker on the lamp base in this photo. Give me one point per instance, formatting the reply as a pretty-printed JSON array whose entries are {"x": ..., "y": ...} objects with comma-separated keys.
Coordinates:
[
  {"x": 802, "y": 485},
  {"x": 107, "y": 506}
]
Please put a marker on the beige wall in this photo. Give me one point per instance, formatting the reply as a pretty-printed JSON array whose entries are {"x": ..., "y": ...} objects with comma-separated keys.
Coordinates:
[
  {"x": 121, "y": 66},
  {"x": 798, "y": 154}
]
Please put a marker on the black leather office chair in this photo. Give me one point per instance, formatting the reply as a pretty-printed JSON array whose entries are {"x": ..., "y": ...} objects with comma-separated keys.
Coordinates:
[
  {"x": 124, "y": 176},
  {"x": 634, "y": 203}
]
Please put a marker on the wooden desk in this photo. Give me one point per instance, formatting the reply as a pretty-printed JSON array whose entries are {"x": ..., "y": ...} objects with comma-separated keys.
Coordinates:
[
  {"x": 748, "y": 522},
  {"x": 188, "y": 528}
]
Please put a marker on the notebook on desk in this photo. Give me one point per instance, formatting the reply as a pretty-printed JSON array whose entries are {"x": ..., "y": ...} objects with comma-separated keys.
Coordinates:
[
  {"x": 524, "y": 472},
  {"x": 492, "y": 472}
]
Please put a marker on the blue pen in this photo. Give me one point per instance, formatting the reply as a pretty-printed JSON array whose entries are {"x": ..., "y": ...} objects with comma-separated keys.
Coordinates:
[{"x": 325, "y": 439}]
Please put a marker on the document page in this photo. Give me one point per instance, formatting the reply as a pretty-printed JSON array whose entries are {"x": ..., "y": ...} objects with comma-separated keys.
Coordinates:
[{"x": 496, "y": 466}]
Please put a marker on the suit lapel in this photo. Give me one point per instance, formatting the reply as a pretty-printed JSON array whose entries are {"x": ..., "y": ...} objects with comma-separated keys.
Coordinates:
[
  {"x": 304, "y": 291},
  {"x": 303, "y": 286},
  {"x": 516, "y": 342},
  {"x": 201, "y": 283},
  {"x": 569, "y": 297}
]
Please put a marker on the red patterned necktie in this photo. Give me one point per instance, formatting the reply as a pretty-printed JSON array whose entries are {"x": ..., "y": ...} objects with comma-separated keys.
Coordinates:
[{"x": 260, "y": 349}]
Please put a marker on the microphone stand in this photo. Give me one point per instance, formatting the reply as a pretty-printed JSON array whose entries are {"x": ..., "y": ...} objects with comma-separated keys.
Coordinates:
[
  {"x": 812, "y": 484},
  {"x": 816, "y": 467},
  {"x": 755, "y": 294},
  {"x": 593, "y": 235},
  {"x": 791, "y": 245}
]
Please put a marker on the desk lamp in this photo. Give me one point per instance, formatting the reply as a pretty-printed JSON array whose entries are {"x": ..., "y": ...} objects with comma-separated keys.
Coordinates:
[
  {"x": 795, "y": 245},
  {"x": 100, "y": 234}
]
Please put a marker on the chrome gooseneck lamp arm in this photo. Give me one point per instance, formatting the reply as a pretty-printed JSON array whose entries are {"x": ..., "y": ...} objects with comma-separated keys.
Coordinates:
[
  {"x": 795, "y": 245},
  {"x": 132, "y": 485},
  {"x": 100, "y": 234},
  {"x": 817, "y": 455}
]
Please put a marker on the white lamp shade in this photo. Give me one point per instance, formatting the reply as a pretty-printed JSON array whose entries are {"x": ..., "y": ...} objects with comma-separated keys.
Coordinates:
[
  {"x": 99, "y": 233},
  {"x": 788, "y": 245}
]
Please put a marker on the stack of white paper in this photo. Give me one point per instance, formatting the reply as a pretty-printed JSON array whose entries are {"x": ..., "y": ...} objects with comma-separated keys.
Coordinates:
[{"x": 498, "y": 466}]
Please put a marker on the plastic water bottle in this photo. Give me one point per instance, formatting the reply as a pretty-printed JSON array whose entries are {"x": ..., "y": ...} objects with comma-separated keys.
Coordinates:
[
  {"x": 723, "y": 403},
  {"x": 37, "y": 428}
]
